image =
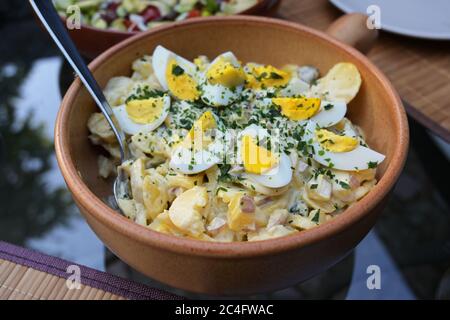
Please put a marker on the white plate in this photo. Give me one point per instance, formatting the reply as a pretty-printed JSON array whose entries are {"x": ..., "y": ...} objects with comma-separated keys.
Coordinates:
[{"x": 429, "y": 19}]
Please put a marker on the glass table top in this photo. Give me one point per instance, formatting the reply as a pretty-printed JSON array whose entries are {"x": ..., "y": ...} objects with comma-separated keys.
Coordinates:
[{"x": 410, "y": 243}]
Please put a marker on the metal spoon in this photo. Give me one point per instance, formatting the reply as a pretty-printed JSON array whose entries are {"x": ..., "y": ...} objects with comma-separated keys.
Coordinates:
[{"x": 55, "y": 27}]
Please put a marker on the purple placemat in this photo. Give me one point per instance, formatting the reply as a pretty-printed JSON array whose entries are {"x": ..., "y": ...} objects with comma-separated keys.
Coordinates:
[{"x": 90, "y": 277}]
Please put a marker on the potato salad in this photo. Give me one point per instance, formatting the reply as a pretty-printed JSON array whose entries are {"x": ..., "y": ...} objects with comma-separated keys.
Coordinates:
[{"x": 226, "y": 151}]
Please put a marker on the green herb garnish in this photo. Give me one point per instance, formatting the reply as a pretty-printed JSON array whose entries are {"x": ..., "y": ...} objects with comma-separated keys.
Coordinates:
[
  {"x": 344, "y": 185},
  {"x": 372, "y": 165},
  {"x": 177, "y": 70},
  {"x": 316, "y": 217},
  {"x": 275, "y": 76},
  {"x": 328, "y": 106}
]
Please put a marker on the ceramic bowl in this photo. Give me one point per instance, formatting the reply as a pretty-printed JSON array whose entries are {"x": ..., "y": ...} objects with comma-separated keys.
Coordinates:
[
  {"x": 92, "y": 41},
  {"x": 233, "y": 268}
]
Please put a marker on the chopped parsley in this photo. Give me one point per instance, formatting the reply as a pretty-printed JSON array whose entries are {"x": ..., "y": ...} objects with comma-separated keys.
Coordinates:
[
  {"x": 224, "y": 172},
  {"x": 143, "y": 93},
  {"x": 344, "y": 185},
  {"x": 372, "y": 165},
  {"x": 316, "y": 217},
  {"x": 177, "y": 70},
  {"x": 275, "y": 76},
  {"x": 221, "y": 189}
]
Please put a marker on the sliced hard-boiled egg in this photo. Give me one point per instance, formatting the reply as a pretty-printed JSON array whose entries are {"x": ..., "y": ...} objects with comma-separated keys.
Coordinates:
[
  {"x": 197, "y": 152},
  {"x": 347, "y": 128},
  {"x": 266, "y": 76},
  {"x": 324, "y": 113},
  {"x": 142, "y": 115},
  {"x": 298, "y": 108},
  {"x": 176, "y": 74},
  {"x": 356, "y": 158},
  {"x": 334, "y": 142},
  {"x": 256, "y": 159},
  {"x": 277, "y": 177},
  {"x": 262, "y": 166},
  {"x": 186, "y": 161},
  {"x": 330, "y": 113},
  {"x": 226, "y": 70},
  {"x": 223, "y": 80},
  {"x": 341, "y": 83},
  {"x": 206, "y": 122}
]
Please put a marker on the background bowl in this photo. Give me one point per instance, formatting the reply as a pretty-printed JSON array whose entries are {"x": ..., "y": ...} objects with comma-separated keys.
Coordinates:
[
  {"x": 92, "y": 41},
  {"x": 233, "y": 268}
]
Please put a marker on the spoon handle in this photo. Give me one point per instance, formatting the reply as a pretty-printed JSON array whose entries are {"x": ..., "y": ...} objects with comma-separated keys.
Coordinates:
[{"x": 55, "y": 27}]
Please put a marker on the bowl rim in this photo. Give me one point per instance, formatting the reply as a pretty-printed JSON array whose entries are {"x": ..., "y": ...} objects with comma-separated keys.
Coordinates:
[
  {"x": 92, "y": 205},
  {"x": 260, "y": 5}
]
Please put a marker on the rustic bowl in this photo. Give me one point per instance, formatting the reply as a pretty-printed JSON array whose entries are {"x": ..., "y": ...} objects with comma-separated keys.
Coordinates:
[
  {"x": 92, "y": 41},
  {"x": 233, "y": 268}
]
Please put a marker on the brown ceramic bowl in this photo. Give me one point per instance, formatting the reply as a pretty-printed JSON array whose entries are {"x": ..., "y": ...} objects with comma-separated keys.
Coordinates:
[
  {"x": 93, "y": 41},
  {"x": 233, "y": 268}
]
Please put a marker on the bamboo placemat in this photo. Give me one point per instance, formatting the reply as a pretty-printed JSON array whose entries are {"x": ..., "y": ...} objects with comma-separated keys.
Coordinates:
[
  {"x": 419, "y": 69},
  {"x": 29, "y": 275},
  {"x": 18, "y": 282}
]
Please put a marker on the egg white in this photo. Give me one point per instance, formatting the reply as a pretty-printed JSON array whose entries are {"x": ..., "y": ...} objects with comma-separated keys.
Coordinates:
[
  {"x": 327, "y": 118},
  {"x": 276, "y": 177},
  {"x": 131, "y": 127},
  {"x": 184, "y": 161},
  {"x": 356, "y": 159}
]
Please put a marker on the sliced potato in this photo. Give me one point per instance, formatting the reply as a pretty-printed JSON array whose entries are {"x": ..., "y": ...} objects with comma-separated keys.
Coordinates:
[
  {"x": 341, "y": 83},
  {"x": 270, "y": 233},
  {"x": 162, "y": 223},
  {"x": 186, "y": 211},
  {"x": 324, "y": 206},
  {"x": 155, "y": 194}
]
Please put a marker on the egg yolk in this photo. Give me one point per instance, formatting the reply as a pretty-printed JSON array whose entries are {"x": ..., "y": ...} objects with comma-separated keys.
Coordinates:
[
  {"x": 145, "y": 111},
  {"x": 334, "y": 142},
  {"x": 180, "y": 84},
  {"x": 205, "y": 122},
  {"x": 256, "y": 159},
  {"x": 298, "y": 108},
  {"x": 226, "y": 74},
  {"x": 196, "y": 138},
  {"x": 262, "y": 77}
]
